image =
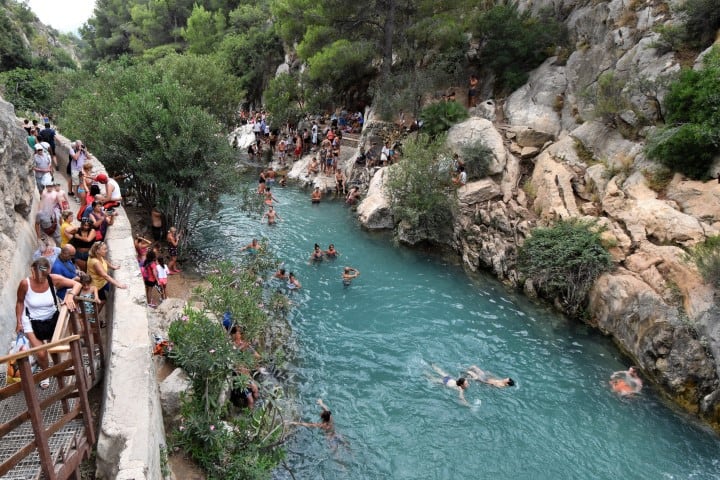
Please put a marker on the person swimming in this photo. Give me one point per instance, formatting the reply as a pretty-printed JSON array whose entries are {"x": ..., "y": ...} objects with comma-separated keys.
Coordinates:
[
  {"x": 349, "y": 273},
  {"x": 459, "y": 384},
  {"x": 292, "y": 282},
  {"x": 331, "y": 252},
  {"x": 326, "y": 424},
  {"x": 626, "y": 383},
  {"x": 479, "y": 375},
  {"x": 316, "y": 195},
  {"x": 252, "y": 247},
  {"x": 317, "y": 254}
]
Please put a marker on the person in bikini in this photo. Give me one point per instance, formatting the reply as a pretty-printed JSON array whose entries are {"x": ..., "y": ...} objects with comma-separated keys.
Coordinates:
[
  {"x": 459, "y": 384},
  {"x": 479, "y": 375}
]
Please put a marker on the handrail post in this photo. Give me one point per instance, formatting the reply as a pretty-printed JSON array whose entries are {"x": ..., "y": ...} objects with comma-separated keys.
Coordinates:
[
  {"x": 36, "y": 419},
  {"x": 82, "y": 386}
]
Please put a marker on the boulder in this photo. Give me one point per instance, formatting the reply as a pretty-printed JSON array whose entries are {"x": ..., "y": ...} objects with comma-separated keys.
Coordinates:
[
  {"x": 534, "y": 104},
  {"x": 529, "y": 137},
  {"x": 699, "y": 199},
  {"x": 647, "y": 217},
  {"x": 374, "y": 210},
  {"x": 242, "y": 137},
  {"x": 171, "y": 389},
  {"x": 478, "y": 192},
  {"x": 552, "y": 181},
  {"x": 474, "y": 130}
]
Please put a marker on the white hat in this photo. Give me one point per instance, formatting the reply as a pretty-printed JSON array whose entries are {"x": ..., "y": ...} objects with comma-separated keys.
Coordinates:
[
  {"x": 45, "y": 145},
  {"x": 38, "y": 146},
  {"x": 47, "y": 179}
]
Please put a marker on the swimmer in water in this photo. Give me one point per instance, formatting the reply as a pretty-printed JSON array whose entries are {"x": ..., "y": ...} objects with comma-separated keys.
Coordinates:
[
  {"x": 460, "y": 384},
  {"x": 316, "y": 195},
  {"x": 292, "y": 282},
  {"x": 316, "y": 255},
  {"x": 479, "y": 375},
  {"x": 271, "y": 215},
  {"x": 252, "y": 247},
  {"x": 331, "y": 252},
  {"x": 281, "y": 274},
  {"x": 626, "y": 383},
  {"x": 269, "y": 197},
  {"x": 349, "y": 273},
  {"x": 326, "y": 424}
]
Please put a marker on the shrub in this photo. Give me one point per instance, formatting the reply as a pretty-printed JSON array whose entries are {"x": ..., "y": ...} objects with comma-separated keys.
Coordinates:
[
  {"x": 477, "y": 158},
  {"x": 706, "y": 257},
  {"x": 439, "y": 117},
  {"x": 228, "y": 444},
  {"x": 564, "y": 260},
  {"x": 419, "y": 183},
  {"x": 702, "y": 21},
  {"x": 691, "y": 139}
]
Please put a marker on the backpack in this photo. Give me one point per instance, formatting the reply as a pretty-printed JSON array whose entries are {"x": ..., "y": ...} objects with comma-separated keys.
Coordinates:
[{"x": 148, "y": 272}]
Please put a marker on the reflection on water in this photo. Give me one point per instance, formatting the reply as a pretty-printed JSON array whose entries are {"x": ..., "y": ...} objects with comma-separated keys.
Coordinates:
[{"x": 366, "y": 351}]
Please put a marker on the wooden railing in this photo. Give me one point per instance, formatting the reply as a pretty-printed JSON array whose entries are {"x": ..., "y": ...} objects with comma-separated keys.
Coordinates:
[{"x": 61, "y": 427}]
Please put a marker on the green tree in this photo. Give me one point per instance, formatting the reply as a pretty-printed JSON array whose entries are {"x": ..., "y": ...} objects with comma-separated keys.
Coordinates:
[
  {"x": 285, "y": 99},
  {"x": 27, "y": 89},
  {"x": 691, "y": 138},
  {"x": 13, "y": 52},
  {"x": 107, "y": 32},
  {"x": 564, "y": 260},
  {"x": 152, "y": 129},
  {"x": 706, "y": 257},
  {"x": 420, "y": 183},
  {"x": 204, "y": 30},
  {"x": 513, "y": 42},
  {"x": 253, "y": 57},
  {"x": 211, "y": 85}
]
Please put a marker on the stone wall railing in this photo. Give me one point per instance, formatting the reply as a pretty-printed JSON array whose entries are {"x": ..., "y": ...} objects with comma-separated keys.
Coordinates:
[{"x": 131, "y": 429}]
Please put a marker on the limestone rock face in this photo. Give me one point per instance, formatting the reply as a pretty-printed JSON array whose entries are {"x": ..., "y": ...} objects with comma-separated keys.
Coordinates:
[
  {"x": 17, "y": 211},
  {"x": 699, "y": 199},
  {"x": 171, "y": 388},
  {"x": 474, "y": 130},
  {"x": 554, "y": 191},
  {"x": 374, "y": 210}
]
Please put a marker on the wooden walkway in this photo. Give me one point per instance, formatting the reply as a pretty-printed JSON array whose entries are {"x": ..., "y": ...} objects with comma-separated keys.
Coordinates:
[{"x": 47, "y": 433}]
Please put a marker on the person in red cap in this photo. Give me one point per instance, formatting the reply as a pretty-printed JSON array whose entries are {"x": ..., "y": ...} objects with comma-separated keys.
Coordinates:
[{"x": 113, "y": 196}]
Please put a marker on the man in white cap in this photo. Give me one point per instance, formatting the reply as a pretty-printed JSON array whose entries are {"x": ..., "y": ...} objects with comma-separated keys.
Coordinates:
[{"x": 42, "y": 167}]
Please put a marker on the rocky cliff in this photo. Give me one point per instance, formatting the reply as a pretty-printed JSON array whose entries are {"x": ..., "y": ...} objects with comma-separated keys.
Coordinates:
[
  {"x": 17, "y": 227},
  {"x": 554, "y": 157}
]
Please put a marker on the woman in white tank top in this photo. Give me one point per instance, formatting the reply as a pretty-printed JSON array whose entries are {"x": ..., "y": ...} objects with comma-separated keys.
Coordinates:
[{"x": 35, "y": 305}]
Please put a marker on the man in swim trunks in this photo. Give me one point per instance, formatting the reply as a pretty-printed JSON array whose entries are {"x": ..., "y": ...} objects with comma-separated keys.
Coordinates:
[
  {"x": 272, "y": 216},
  {"x": 479, "y": 375},
  {"x": 349, "y": 273},
  {"x": 626, "y": 383},
  {"x": 252, "y": 247},
  {"x": 316, "y": 195},
  {"x": 460, "y": 384}
]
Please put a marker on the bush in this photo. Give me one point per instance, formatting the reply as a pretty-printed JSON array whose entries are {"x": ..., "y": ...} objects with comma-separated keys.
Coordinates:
[
  {"x": 706, "y": 257},
  {"x": 691, "y": 139},
  {"x": 419, "y": 183},
  {"x": 226, "y": 443},
  {"x": 439, "y": 117},
  {"x": 564, "y": 260},
  {"x": 702, "y": 21},
  {"x": 477, "y": 158}
]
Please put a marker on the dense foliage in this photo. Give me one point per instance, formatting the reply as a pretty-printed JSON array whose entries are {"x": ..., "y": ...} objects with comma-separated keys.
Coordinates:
[
  {"x": 563, "y": 261},
  {"x": 440, "y": 116},
  {"x": 153, "y": 129},
  {"x": 227, "y": 442},
  {"x": 477, "y": 158},
  {"x": 514, "y": 42},
  {"x": 691, "y": 138},
  {"x": 420, "y": 184}
]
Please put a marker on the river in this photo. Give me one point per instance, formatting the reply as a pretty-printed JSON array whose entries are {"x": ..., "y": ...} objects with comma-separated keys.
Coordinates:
[{"x": 367, "y": 350}]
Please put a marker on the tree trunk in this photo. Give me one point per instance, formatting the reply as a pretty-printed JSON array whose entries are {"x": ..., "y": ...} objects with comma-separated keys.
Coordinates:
[{"x": 389, "y": 32}]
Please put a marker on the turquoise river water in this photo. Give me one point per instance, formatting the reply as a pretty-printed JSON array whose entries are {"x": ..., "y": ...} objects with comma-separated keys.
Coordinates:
[{"x": 367, "y": 349}]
